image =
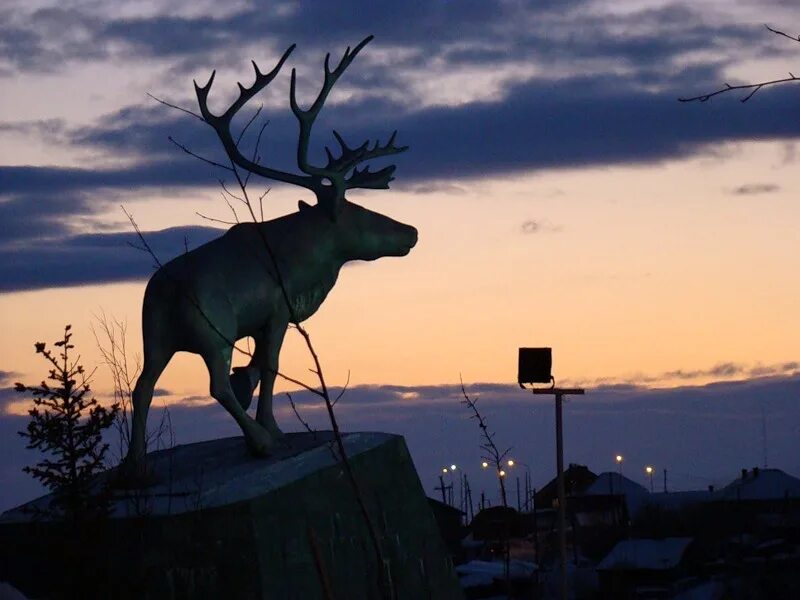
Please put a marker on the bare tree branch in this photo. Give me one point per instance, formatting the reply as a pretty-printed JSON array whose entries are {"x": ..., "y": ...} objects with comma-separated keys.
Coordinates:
[
  {"x": 207, "y": 218},
  {"x": 494, "y": 456},
  {"x": 344, "y": 388},
  {"x": 299, "y": 418},
  {"x": 197, "y": 156},
  {"x": 752, "y": 87},
  {"x": 176, "y": 107},
  {"x": 781, "y": 33}
]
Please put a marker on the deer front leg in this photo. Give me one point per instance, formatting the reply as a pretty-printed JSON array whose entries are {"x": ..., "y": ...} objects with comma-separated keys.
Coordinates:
[{"x": 268, "y": 348}]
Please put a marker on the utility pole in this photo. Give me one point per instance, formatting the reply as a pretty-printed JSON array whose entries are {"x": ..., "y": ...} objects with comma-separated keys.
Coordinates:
[
  {"x": 442, "y": 487},
  {"x": 535, "y": 366},
  {"x": 559, "y": 394}
]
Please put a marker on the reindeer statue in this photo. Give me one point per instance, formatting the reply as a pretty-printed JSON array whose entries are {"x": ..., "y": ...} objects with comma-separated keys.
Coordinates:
[{"x": 259, "y": 277}]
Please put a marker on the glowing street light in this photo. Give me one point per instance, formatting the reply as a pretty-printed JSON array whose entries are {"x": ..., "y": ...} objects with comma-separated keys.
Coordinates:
[
  {"x": 510, "y": 462},
  {"x": 650, "y": 470},
  {"x": 444, "y": 469},
  {"x": 619, "y": 458},
  {"x": 502, "y": 473},
  {"x": 452, "y": 467},
  {"x": 484, "y": 464}
]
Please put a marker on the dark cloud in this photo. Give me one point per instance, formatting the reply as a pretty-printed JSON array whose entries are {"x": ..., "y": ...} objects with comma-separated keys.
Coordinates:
[
  {"x": 560, "y": 119},
  {"x": 6, "y": 377},
  {"x": 574, "y": 123},
  {"x": 92, "y": 258},
  {"x": 751, "y": 189},
  {"x": 723, "y": 371},
  {"x": 667, "y": 428},
  {"x": 532, "y": 226},
  {"x": 435, "y": 187},
  {"x": 7, "y": 396},
  {"x": 161, "y": 392}
]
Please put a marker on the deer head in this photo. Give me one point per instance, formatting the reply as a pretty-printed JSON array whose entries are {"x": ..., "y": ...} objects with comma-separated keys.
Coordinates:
[{"x": 329, "y": 182}]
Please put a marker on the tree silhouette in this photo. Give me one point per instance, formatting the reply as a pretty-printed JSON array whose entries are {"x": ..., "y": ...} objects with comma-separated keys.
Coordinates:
[{"x": 67, "y": 426}]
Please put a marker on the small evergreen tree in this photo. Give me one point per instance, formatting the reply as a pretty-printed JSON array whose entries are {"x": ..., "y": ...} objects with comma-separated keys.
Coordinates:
[{"x": 67, "y": 426}]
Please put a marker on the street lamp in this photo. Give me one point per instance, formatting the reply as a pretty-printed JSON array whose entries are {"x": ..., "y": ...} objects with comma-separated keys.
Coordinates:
[
  {"x": 535, "y": 366},
  {"x": 452, "y": 467},
  {"x": 485, "y": 464},
  {"x": 619, "y": 458},
  {"x": 510, "y": 462},
  {"x": 650, "y": 470},
  {"x": 502, "y": 473}
]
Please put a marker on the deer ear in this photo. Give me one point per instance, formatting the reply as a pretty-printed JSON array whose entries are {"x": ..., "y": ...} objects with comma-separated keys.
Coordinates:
[{"x": 303, "y": 206}]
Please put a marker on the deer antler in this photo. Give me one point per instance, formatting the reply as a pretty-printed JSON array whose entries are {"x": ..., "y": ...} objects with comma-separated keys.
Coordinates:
[
  {"x": 351, "y": 157},
  {"x": 222, "y": 123},
  {"x": 315, "y": 177}
]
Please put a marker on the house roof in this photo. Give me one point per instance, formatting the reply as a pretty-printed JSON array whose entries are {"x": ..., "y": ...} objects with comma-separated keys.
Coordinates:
[
  {"x": 761, "y": 484},
  {"x": 645, "y": 554},
  {"x": 439, "y": 505},
  {"x": 614, "y": 484},
  {"x": 576, "y": 479},
  {"x": 610, "y": 483}
]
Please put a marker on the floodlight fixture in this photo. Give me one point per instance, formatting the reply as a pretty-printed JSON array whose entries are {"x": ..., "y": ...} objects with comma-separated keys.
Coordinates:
[{"x": 535, "y": 365}]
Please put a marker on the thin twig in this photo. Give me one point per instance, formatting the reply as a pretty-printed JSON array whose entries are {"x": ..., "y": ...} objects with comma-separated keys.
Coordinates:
[
  {"x": 191, "y": 298},
  {"x": 494, "y": 456},
  {"x": 344, "y": 389},
  {"x": 256, "y": 157},
  {"x": 261, "y": 203},
  {"x": 233, "y": 210},
  {"x": 207, "y": 218},
  {"x": 197, "y": 156},
  {"x": 786, "y": 35},
  {"x": 244, "y": 129},
  {"x": 230, "y": 193},
  {"x": 299, "y": 418},
  {"x": 176, "y": 107},
  {"x": 753, "y": 87}
]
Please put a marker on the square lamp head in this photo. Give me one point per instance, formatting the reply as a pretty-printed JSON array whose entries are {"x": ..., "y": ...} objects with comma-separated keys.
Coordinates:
[{"x": 535, "y": 365}]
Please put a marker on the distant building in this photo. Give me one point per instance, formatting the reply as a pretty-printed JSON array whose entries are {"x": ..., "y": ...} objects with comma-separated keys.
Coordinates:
[
  {"x": 616, "y": 485},
  {"x": 576, "y": 479},
  {"x": 761, "y": 484},
  {"x": 644, "y": 568},
  {"x": 449, "y": 520}
]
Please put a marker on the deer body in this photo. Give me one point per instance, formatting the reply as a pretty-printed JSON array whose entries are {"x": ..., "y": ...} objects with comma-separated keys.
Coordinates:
[
  {"x": 228, "y": 288},
  {"x": 258, "y": 278}
]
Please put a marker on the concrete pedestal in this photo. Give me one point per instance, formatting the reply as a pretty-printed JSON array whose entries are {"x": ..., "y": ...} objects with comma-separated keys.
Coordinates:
[{"x": 221, "y": 524}]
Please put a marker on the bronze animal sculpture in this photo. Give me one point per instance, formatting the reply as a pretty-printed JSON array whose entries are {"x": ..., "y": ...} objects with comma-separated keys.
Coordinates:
[{"x": 259, "y": 277}]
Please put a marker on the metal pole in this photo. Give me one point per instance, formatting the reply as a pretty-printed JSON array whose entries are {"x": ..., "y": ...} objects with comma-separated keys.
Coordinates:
[
  {"x": 444, "y": 489},
  {"x": 562, "y": 512}
]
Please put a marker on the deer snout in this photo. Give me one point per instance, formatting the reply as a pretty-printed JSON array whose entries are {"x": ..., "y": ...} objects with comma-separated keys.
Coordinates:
[{"x": 410, "y": 237}]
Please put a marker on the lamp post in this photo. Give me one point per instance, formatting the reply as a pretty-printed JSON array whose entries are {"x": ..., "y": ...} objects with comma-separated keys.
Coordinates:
[
  {"x": 650, "y": 470},
  {"x": 535, "y": 366}
]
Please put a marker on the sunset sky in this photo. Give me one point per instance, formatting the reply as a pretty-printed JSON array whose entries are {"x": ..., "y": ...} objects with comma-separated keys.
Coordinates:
[{"x": 563, "y": 197}]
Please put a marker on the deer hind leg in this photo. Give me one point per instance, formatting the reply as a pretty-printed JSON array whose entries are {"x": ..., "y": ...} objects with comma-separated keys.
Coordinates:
[
  {"x": 155, "y": 361},
  {"x": 259, "y": 440},
  {"x": 243, "y": 383},
  {"x": 268, "y": 347}
]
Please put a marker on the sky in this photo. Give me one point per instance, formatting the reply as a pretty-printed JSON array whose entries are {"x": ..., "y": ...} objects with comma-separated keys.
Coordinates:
[{"x": 563, "y": 197}]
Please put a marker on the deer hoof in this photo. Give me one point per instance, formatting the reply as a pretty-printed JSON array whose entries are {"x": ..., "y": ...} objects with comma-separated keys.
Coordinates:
[
  {"x": 259, "y": 442},
  {"x": 272, "y": 427}
]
